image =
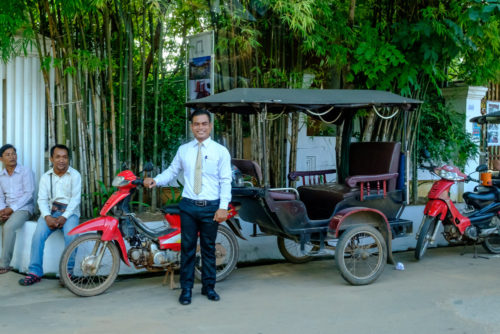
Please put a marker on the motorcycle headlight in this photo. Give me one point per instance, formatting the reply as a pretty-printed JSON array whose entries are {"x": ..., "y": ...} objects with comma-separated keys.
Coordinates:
[
  {"x": 449, "y": 175},
  {"x": 119, "y": 181}
]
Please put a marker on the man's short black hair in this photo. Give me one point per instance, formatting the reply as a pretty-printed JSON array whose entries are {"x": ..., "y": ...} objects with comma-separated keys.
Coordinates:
[
  {"x": 5, "y": 148},
  {"x": 199, "y": 112},
  {"x": 61, "y": 146}
]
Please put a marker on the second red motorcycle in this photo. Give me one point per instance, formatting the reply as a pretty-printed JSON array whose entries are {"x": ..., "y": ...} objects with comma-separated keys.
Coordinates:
[{"x": 479, "y": 223}]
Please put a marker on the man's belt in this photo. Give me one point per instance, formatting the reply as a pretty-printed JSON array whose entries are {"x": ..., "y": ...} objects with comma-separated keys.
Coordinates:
[
  {"x": 201, "y": 202},
  {"x": 58, "y": 207}
]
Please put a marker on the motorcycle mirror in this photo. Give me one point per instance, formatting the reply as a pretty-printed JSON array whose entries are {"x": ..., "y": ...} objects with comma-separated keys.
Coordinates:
[
  {"x": 481, "y": 168},
  {"x": 124, "y": 166},
  {"x": 148, "y": 167}
]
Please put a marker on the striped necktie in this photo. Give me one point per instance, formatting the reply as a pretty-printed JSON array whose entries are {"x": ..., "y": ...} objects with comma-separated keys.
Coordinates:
[{"x": 197, "y": 172}]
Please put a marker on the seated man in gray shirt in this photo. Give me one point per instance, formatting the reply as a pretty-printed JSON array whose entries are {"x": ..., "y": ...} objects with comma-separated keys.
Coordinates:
[
  {"x": 59, "y": 197},
  {"x": 16, "y": 201}
]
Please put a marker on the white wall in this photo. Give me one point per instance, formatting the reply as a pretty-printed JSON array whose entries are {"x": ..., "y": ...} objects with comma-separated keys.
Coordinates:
[
  {"x": 23, "y": 110},
  {"x": 315, "y": 153},
  {"x": 466, "y": 100}
]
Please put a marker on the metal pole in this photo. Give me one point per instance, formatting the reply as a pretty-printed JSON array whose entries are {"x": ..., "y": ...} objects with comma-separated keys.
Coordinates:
[
  {"x": 406, "y": 177},
  {"x": 263, "y": 124}
]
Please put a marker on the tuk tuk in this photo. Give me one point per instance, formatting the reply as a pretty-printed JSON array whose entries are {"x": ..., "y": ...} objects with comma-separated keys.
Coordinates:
[{"x": 357, "y": 216}]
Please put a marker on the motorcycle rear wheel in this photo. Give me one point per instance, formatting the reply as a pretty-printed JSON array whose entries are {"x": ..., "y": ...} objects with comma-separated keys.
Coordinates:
[
  {"x": 82, "y": 279},
  {"x": 226, "y": 254},
  {"x": 425, "y": 236},
  {"x": 492, "y": 244},
  {"x": 361, "y": 254}
]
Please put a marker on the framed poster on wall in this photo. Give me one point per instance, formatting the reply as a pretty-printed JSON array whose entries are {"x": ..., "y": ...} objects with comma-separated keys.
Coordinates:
[{"x": 493, "y": 135}]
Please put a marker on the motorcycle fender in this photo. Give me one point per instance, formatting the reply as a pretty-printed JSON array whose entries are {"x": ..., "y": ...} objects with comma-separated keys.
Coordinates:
[
  {"x": 235, "y": 226},
  {"x": 435, "y": 208},
  {"x": 110, "y": 232},
  {"x": 361, "y": 215}
]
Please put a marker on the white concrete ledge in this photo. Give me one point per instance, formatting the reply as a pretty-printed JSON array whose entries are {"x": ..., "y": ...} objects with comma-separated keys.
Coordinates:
[{"x": 251, "y": 250}]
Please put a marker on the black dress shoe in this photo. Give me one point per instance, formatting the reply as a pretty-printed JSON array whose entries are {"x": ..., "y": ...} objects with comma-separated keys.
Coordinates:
[
  {"x": 185, "y": 297},
  {"x": 211, "y": 294}
]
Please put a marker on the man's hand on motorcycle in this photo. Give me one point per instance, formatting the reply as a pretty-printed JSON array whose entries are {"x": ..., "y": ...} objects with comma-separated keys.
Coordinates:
[
  {"x": 220, "y": 215},
  {"x": 149, "y": 182}
]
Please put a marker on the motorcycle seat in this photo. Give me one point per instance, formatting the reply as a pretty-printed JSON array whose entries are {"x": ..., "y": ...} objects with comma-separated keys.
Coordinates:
[{"x": 480, "y": 199}]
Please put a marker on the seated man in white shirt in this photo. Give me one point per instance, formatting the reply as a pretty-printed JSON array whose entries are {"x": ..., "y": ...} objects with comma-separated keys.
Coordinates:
[
  {"x": 16, "y": 201},
  {"x": 59, "y": 197}
]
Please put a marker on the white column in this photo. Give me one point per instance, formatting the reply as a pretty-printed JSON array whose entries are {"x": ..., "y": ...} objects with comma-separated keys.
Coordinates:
[{"x": 466, "y": 100}]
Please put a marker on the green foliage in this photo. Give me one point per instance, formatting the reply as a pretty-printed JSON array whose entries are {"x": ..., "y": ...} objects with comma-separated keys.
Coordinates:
[
  {"x": 173, "y": 198},
  {"x": 102, "y": 196},
  {"x": 377, "y": 60},
  {"x": 172, "y": 118},
  {"x": 13, "y": 21},
  {"x": 442, "y": 134}
]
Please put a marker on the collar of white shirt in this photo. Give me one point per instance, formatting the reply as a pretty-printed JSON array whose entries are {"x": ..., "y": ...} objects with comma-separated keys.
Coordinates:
[
  {"x": 17, "y": 170},
  {"x": 205, "y": 143},
  {"x": 51, "y": 171}
]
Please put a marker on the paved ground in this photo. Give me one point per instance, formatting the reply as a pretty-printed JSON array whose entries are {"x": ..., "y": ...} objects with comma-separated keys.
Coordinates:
[{"x": 443, "y": 293}]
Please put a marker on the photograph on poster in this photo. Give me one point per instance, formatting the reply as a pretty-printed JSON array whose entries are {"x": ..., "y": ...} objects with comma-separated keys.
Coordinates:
[
  {"x": 199, "y": 88},
  {"x": 493, "y": 134},
  {"x": 199, "y": 68},
  {"x": 492, "y": 106}
]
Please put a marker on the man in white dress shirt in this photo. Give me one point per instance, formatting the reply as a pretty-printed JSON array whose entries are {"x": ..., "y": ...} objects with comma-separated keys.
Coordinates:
[
  {"x": 205, "y": 199},
  {"x": 16, "y": 201},
  {"x": 59, "y": 197}
]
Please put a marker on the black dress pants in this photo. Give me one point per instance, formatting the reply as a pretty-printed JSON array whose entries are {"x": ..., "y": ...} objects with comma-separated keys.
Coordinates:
[{"x": 198, "y": 219}]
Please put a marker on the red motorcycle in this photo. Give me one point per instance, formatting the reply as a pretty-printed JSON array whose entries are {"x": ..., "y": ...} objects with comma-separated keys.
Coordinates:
[
  {"x": 89, "y": 265},
  {"x": 478, "y": 223}
]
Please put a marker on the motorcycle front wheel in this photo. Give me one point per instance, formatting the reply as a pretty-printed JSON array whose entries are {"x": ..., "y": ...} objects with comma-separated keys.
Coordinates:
[
  {"x": 425, "y": 236},
  {"x": 89, "y": 265},
  {"x": 492, "y": 244},
  {"x": 226, "y": 254},
  {"x": 361, "y": 254}
]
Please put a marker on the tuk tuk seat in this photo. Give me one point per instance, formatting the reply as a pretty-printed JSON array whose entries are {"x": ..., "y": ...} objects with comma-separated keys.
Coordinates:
[{"x": 369, "y": 163}]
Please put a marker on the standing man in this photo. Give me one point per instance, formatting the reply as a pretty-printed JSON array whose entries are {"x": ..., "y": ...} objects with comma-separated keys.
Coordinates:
[
  {"x": 16, "y": 201},
  {"x": 59, "y": 197},
  {"x": 205, "y": 199}
]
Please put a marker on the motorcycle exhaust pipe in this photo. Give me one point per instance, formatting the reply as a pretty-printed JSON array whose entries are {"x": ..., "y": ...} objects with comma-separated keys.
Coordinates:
[{"x": 490, "y": 231}]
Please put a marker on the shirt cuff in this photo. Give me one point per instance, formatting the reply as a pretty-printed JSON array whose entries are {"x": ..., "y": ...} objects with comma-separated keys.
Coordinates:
[
  {"x": 157, "y": 181},
  {"x": 66, "y": 214},
  {"x": 223, "y": 205},
  {"x": 14, "y": 207},
  {"x": 44, "y": 213}
]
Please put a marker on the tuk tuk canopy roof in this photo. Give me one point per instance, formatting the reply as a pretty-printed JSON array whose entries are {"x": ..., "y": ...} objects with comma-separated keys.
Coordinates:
[
  {"x": 491, "y": 118},
  {"x": 276, "y": 100}
]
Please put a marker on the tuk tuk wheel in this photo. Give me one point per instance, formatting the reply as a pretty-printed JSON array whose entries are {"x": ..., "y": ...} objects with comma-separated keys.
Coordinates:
[
  {"x": 290, "y": 249},
  {"x": 361, "y": 254}
]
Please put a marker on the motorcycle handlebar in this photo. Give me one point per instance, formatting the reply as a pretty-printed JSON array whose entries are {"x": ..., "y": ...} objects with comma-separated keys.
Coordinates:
[
  {"x": 139, "y": 182},
  {"x": 472, "y": 179}
]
